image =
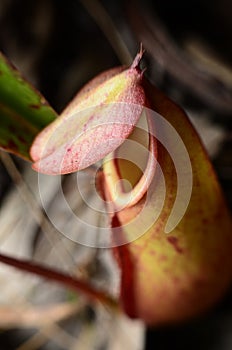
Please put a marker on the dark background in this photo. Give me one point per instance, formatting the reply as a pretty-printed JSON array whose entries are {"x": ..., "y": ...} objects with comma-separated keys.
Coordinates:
[{"x": 58, "y": 46}]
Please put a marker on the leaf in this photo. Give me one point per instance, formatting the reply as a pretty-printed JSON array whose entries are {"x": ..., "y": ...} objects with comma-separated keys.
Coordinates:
[
  {"x": 96, "y": 122},
  {"x": 169, "y": 277},
  {"x": 23, "y": 111}
]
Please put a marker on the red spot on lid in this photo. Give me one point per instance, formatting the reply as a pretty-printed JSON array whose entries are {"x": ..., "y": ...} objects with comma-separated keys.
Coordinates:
[{"x": 174, "y": 242}]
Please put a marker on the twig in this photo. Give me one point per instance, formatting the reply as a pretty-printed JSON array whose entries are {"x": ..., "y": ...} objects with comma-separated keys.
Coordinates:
[
  {"x": 168, "y": 55},
  {"x": 51, "y": 331},
  {"x": 40, "y": 217},
  {"x": 32, "y": 316}
]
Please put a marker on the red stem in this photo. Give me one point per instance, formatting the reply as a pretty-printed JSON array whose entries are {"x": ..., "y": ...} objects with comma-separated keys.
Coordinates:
[{"x": 57, "y": 276}]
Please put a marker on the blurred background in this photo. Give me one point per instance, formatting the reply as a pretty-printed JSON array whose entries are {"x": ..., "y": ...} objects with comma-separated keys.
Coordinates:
[{"x": 58, "y": 46}]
